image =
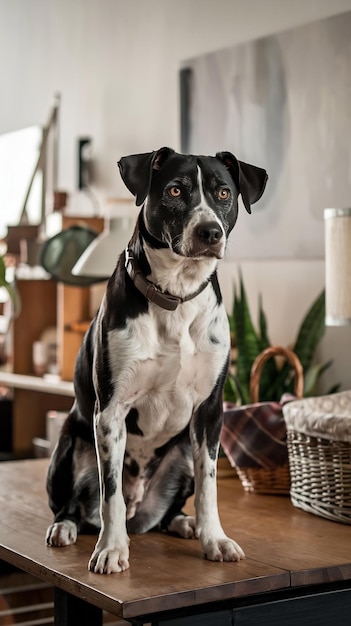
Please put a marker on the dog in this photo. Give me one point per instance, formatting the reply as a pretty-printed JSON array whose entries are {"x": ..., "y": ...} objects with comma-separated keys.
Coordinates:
[{"x": 144, "y": 428}]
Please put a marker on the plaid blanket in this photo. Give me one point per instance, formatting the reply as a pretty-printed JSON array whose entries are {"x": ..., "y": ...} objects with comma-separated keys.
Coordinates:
[{"x": 255, "y": 435}]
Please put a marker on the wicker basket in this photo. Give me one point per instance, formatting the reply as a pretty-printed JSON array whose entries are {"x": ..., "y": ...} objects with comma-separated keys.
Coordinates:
[
  {"x": 257, "y": 478},
  {"x": 319, "y": 447},
  {"x": 274, "y": 482}
]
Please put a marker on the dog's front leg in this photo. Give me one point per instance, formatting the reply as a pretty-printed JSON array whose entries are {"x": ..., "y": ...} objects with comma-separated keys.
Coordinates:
[
  {"x": 205, "y": 431},
  {"x": 111, "y": 552}
]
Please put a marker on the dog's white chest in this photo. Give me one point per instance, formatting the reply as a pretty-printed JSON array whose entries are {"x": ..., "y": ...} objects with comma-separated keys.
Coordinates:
[{"x": 166, "y": 365}]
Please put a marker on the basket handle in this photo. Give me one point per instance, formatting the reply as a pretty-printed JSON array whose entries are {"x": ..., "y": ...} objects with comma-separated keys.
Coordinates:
[{"x": 261, "y": 360}]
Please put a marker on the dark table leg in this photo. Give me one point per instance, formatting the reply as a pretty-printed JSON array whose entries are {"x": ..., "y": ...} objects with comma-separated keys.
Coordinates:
[{"x": 71, "y": 611}]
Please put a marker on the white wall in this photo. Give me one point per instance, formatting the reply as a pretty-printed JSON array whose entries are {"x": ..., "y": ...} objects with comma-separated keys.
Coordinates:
[{"x": 116, "y": 63}]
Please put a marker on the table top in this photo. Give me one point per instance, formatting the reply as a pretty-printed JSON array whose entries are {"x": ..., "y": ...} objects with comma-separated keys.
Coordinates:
[{"x": 285, "y": 547}]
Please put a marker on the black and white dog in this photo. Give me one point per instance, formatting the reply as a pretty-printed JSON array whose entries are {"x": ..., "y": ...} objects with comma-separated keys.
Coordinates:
[{"x": 149, "y": 376}]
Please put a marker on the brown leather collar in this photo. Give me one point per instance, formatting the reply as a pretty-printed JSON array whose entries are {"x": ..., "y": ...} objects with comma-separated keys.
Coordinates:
[{"x": 150, "y": 291}]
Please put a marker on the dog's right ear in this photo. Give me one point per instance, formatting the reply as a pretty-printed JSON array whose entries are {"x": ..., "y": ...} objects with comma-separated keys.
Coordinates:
[
  {"x": 250, "y": 180},
  {"x": 136, "y": 171}
]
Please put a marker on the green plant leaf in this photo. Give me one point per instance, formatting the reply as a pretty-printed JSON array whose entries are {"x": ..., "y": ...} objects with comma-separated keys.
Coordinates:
[
  {"x": 262, "y": 320},
  {"x": 311, "y": 331},
  {"x": 234, "y": 392},
  {"x": 246, "y": 339},
  {"x": 230, "y": 390},
  {"x": 231, "y": 323},
  {"x": 269, "y": 371},
  {"x": 311, "y": 376},
  {"x": 3, "y": 281}
]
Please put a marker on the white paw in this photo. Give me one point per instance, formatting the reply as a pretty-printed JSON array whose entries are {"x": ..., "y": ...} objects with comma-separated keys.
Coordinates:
[
  {"x": 223, "y": 549},
  {"x": 183, "y": 525},
  {"x": 61, "y": 533},
  {"x": 109, "y": 560}
]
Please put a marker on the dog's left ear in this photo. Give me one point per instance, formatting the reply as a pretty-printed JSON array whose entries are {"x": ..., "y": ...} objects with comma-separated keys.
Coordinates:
[
  {"x": 137, "y": 169},
  {"x": 250, "y": 180}
]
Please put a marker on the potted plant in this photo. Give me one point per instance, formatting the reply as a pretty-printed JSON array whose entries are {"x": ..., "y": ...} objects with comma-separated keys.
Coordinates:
[{"x": 249, "y": 343}]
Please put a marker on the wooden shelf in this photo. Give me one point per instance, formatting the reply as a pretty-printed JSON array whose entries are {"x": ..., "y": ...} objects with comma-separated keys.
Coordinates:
[
  {"x": 33, "y": 397},
  {"x": 35, "y": 383},
  {"x": 45, "y": 304}
]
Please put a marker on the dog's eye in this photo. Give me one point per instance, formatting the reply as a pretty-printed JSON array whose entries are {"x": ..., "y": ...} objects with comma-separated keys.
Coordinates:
[
  {"x": 223, "y": 194},
  {"x": 174, "y": 191}
]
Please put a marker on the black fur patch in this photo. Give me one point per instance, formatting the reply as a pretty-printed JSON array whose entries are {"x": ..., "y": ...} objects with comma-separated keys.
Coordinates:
[
  {"x": 209, "y": 416},
  {"x": 216, "y": 288},
  {"x": 214, "y": 339},
  {"x": 185, "y": 490},
  {"x": 106, "y": 430},
  {"x": 159, "y": 453},
  {"x": 121, "y": 289},
  {"x": 83, "y": 382},
  {"x": 109, "y": 481},
  {"x": 133, "y": 468},
  {"x": 132, "y": 423}
]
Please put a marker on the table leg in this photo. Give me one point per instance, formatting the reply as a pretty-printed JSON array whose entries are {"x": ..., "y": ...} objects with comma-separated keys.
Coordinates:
[{"x": 70, "y": 611}]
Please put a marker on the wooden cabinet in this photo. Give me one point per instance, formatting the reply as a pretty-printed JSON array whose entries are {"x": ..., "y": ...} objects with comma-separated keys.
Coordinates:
[
  {"x": 29, "y": 408},
  {"x": 45, "y": 304},
  {"x": 73, "y": 319},
  {"x": 38, "y": 312}
]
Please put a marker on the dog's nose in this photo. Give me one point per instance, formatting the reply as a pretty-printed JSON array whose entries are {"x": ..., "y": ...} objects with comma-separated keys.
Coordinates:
[{"x": 209, "y": 232}]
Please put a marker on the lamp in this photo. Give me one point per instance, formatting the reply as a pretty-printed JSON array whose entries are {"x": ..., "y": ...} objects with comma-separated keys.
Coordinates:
[
  {"x": 338, "y": 266},
  {"x": 100, "y": 257}
]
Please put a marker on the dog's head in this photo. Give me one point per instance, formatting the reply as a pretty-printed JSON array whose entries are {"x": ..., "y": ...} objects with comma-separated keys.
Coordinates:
[{"x": 191, "y": 202}]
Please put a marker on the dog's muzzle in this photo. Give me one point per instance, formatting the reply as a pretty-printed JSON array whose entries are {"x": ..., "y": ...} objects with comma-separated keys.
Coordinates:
[
  {"x": 207, "y": 239},
  {"x": 209, "y": 233}
]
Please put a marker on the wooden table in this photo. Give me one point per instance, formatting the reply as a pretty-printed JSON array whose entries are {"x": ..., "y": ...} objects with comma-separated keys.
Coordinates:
[{"x": 297, "y": 571}]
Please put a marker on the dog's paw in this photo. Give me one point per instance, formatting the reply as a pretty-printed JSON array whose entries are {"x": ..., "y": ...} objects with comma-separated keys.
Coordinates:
[
  {"x": 183, "y": 525},
  {"x": 61, "y": 533},
  {"x": 223, "y": 549},
  {"x": 109, "y": 561}
]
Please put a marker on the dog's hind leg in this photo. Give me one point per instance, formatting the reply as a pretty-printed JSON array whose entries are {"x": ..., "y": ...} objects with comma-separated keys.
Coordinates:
[
  {"x": 183, "y": 525},
  {"x": 61, "y": 497},
  {"x": 72, "y": 485},
  {"x": 177, "y": 522}
]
